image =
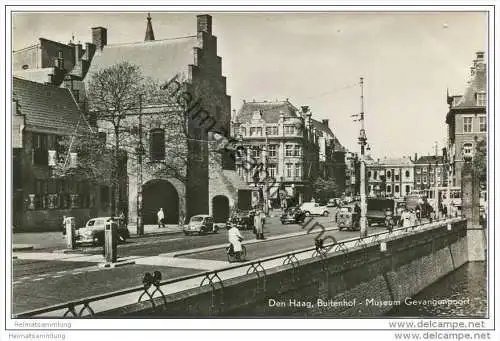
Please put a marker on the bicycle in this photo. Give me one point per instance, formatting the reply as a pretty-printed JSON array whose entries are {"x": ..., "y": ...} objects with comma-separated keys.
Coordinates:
[{"x": 234, "y": 257}]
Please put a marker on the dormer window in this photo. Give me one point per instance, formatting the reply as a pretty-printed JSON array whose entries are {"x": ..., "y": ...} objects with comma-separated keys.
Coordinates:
[{"x": 481, "y": 99}]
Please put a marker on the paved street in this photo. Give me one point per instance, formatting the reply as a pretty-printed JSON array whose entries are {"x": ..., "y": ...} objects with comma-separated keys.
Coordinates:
[{"x": 56, "y": 277}]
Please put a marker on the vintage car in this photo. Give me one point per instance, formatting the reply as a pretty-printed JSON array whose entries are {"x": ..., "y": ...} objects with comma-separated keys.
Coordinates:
[
  {"x": 292, "y": 215},
  {"x": 313, "y": 208},
  {"x": 347, "y": 218},
  {"x": 242, "y": 219},
  {"x": 93, "y": 231},
  {"x": 200, "y": 224}
]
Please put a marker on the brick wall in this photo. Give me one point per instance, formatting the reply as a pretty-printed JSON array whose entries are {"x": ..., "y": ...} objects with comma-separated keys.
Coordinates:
[{"x": 411, "y": 263}]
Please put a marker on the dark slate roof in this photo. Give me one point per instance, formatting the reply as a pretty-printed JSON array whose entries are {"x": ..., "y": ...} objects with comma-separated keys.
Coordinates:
[
  {"x": 270, "y": 111},
  {"x": 477, "y": 84},
  {"x": 160, "y": 60},
  {"x": 425, "y": 160},
  {"x": 327, "y": 131},
  {"x": 47, "y": 107}
]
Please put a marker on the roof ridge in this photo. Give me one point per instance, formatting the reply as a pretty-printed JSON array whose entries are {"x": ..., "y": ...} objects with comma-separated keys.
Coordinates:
[{"x": 149, "y": 41}]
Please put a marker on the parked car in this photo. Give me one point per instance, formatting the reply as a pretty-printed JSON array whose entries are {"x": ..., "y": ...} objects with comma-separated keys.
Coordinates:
[
  {"x": 200, "y": 224},
  {"x": 242, "y": 219},
  {"x": 347, "y": 218},
  {"x": 93, "y": 231},
  {"x": 313, "y": 208},
  {"x": 292, "y": 215}
]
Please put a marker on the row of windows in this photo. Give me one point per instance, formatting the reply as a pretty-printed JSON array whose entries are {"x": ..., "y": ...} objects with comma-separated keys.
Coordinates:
[
  {"x": 377, "y": 175},
  {"x": 291, "y": 170},
  {"x": 468, "y": 124},
  {"x": 290, "y": 150},
  {"x": 270, "y": 131},
  {"x": 425, "y": 169},
  {"x": 389, "y": 189}
]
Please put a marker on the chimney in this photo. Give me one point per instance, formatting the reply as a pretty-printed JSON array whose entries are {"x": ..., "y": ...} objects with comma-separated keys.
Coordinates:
[
  {"x": 325, "y": 122},
  {"x": 416, "y": 157},
  {"x": 89, "y": 51},
  {"x": 59, "y": 62},
  {"x": 78, "y": 52},
  {"x": 204, "y": 23},
  {"x": 99, "y": 37}
]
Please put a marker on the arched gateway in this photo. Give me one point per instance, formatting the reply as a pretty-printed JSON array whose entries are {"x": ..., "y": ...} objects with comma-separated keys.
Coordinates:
[
  {"x": 160, "y": 193},
  {"x": 220, "y": 208}
]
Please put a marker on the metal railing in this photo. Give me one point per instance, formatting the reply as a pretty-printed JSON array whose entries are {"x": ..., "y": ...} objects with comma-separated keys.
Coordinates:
[{"x": 152, "y": 283}]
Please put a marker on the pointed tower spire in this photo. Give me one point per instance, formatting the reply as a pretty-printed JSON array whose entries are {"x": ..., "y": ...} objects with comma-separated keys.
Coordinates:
[{"x": 149, "y": 30}]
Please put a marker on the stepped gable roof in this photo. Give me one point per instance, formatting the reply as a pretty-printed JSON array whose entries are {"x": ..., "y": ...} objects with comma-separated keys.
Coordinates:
[
  {"x": 270, "y": 111},
  {"x": 47, "y": 107},
  {"x": 160, "y": 60},
  {"x": 425, "y": 160}
]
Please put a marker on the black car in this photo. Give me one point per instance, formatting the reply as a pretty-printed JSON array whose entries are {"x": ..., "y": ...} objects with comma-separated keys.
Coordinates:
[
  {"x": 242, "y": 219},
  {"x": 292, "y": 215}
]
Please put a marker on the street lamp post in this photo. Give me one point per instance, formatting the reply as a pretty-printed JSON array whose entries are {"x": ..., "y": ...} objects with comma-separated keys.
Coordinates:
[
  {"x": 362, "y": 190},
  {"x": 140, "y": 153}
]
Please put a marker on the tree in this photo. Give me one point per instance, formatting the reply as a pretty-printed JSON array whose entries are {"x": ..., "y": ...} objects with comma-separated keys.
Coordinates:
[
  {"x": 481, "y": 162},
  {"x": 325, "y": 189},
  {"x": 112, "y": 93}
]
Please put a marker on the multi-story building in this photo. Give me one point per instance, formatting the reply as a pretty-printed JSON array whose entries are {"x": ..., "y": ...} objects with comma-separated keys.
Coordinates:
[
  {"x": 42, "y": 115},
  {"x": 298, "y": 148},
  {"x": 430, "y": 171},
  {"x": 466, "y": 118},
  {"x": 332, "y": 165},
  {"x": 175, "y": 171},
  {"x": 390, "y": 177}
]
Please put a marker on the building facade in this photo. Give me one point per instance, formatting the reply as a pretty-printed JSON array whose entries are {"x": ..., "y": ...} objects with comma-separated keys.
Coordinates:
[
  {"x": 390, "y": 177},
  {"x": 294, "y": 148},
  {"x": 42, "y": 115},
  {"x": 467, "y": 118},
  {"x": 175, "y": 171},
  {"x": 430, "y": 171}
]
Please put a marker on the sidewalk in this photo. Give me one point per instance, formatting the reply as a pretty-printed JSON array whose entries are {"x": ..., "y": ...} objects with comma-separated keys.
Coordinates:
[
  {"x": 154, "y": 230},
  {"x": 26, "y": 241}
]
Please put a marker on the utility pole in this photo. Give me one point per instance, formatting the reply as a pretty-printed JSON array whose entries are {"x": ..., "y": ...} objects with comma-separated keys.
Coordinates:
[
  {"x": 266, "y": 189},
  {"x": 140, "y": 153},
  {"x": 362, "y": 141},
  {"x": 436, "y": 191}
]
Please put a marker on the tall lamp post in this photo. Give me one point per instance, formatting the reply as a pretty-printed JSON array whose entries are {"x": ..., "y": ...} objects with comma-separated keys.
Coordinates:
[
  {"x": 140, "y": 153},
  {"x": 362, "y": 189}
]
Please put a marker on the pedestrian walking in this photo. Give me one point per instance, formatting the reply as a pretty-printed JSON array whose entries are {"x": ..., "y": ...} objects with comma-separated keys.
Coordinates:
[
  {"x": 406, "y": 218},
  {"x": 161, "y": 218},
  {"x": 413, "y": 218},
  {"x": 182, "y": 219},
  {"x": 258, "y": 226},
  {"x": 64, "y": 225}
]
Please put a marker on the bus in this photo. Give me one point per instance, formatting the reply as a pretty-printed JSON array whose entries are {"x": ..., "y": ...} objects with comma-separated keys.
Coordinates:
[{"x": 454, "y": 200}]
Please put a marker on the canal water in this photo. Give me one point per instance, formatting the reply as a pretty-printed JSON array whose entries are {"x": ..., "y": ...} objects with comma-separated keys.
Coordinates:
[{"x": 467, "y": 284}]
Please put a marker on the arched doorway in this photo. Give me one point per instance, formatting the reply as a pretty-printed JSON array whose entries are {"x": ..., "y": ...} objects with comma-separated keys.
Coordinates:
[
  {"x": 156, "y": 194},
  {"x": 220, "y": 208}
]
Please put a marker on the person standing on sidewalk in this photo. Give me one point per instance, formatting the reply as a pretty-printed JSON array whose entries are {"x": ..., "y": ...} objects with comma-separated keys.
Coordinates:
[
  {"x": 161, "y": 218},
  {"x": 257, "y": 222},
  {"x": 64, "y": 225}
]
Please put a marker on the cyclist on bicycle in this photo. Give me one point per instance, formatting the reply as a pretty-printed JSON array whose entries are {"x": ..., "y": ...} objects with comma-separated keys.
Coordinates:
[{"x": 235, "y": 239}]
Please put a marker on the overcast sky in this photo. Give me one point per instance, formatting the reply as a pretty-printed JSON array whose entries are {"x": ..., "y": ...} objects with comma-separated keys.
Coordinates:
[{"x": 408, "y": 61}]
